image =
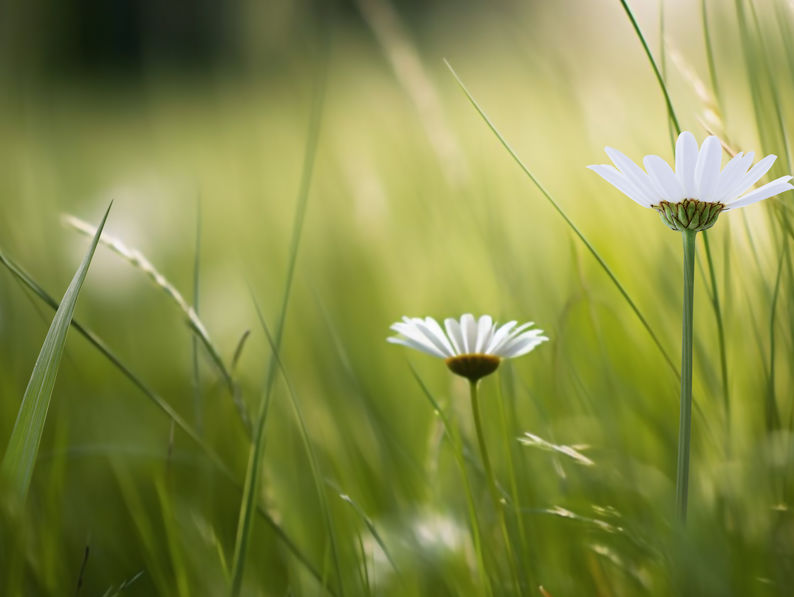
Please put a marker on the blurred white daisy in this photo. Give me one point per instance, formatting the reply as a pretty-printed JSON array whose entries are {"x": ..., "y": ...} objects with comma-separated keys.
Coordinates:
[
  {"x": 692, "y": 197},
  {"x": 471, "y": 348}
]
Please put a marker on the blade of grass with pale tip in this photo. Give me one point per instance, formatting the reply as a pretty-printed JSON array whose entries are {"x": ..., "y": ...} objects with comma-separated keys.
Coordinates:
[
  {"x": 23, "y": 445},
  {"x": 568, "y": 220}
]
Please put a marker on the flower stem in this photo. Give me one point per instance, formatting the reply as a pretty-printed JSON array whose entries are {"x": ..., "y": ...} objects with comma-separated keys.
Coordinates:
[
  {"x": 685, "y": 420},
  {"x": 493, "y": 490}
]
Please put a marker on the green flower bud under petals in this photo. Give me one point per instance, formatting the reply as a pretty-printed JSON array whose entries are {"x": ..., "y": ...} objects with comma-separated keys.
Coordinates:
[{"x": 689, "y": 214}]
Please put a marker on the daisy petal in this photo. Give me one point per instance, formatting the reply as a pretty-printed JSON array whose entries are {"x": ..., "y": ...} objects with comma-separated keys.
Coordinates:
[
  {"x": 439, "y": 335},
  {"x": 415, "y": 330},
  {"x": 484, "y": 332},
  {"x": 707, "y": 169},
  {"x": 410, "y": 343},
  {"x": 508, "y": 345},
  {"x": 753, "y": 176},
  {"x": 522, "y": 346},
  {"x": 635, "y": 175},
  {"x": 731, "y": 175},
  {"x": 453, "y": 331},
  {"x": 686, "y": 155},
  {"x": 617, "y": 179},
  {"x": 468, "y": 329},
  {"x": 770, "y": 189},
  {"x": 499, "y": 336},
  {"x": 664, "y": 177}
]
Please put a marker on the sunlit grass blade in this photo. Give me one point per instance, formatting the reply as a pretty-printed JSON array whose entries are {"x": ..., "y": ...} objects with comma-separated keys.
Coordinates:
[
  {"x": 23, "y": 445},
  {"x": 307, "y": 445},
  {"x": 568, "y": 221},
  {"x": 28, "y": 282},
  {"x": 256, "y": 455}
]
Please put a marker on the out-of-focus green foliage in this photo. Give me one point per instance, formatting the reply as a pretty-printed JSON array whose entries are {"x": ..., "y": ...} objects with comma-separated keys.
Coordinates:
[{"x": 414, "y": 209}]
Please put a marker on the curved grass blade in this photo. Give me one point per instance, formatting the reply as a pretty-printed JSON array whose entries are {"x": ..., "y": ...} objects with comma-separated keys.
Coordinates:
[
  {"x": 568, "y": 221},
  {"x": 23, "y": 445},
  {"x": 28, "y": 282}
]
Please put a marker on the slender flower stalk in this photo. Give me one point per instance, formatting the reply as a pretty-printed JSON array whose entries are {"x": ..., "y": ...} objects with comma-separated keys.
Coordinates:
[
  {"x": 685, "y": 418},
  {"x": 690, "y": 199},
  {"x": 473, "y": 349}
]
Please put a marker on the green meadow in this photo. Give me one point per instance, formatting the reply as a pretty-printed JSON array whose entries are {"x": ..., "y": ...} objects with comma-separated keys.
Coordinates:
[{"x": 228, "y": 417}]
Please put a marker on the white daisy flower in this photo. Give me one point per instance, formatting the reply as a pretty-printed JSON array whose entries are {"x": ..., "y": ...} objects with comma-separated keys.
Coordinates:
[
  {"x": 471, "y": 348},
  {"x": 692, "y": 197}
]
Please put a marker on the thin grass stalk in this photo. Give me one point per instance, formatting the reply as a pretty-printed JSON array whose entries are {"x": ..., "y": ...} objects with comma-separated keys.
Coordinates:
[
  {"x": 310, "y": 454},
  {"x": 656, "y": 71},
  {"x": 214, "y": 458},
  {"x": 715, "y": 302},
  {"x": 710, "y": 53},
  {"x": 624, "y": 293},
  {"x": 772, "y": 414},
  {"x": 256, "y": 455},
  {"x": 685, "y": 421},
  {"x": 492, "y": 488},
  {"x": 507, "y": 434},
  {"x": 198, "y": 407}
]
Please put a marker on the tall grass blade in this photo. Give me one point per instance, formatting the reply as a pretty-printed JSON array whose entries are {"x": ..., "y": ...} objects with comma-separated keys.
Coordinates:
[
  {"x": 23, "y": 445},
  {"x": 256, "y": 456},
  {"x": 28, "y": 282},
  {"x": 568, "y": 221},
  {"x": 307, "y": 445}
]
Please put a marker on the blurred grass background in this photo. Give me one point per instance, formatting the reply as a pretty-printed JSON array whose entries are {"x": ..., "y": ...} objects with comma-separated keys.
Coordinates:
[{"x": 179, "y": 111}]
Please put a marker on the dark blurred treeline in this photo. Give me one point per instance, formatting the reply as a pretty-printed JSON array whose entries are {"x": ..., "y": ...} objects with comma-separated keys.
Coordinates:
[{"x": 127, "y": 36}]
